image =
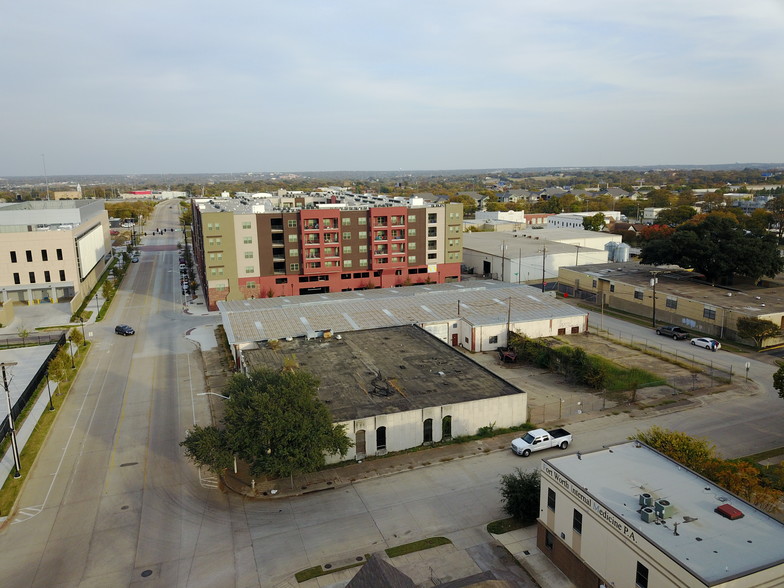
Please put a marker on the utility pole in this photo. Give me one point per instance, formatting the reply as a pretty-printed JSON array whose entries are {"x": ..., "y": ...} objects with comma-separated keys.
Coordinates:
[
  {"x": 503, "y": 259},
  {"x": 544, "y": 257},
  {"x": 577, "y": 257},
  {"x": 654, "y": 281},
  {"x": 11, "y": 430}
]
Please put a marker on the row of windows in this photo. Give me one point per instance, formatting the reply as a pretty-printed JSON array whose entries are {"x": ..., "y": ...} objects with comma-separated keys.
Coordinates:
[
  {"x": 44, "y": 255},
  {"x": 31, "y": 276},
  {"x": 708, "y": 312},
  {"x": 641, "y": 574}
]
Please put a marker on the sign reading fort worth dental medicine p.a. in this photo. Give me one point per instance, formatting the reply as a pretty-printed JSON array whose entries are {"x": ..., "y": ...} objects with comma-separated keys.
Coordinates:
[{"x": 605, "y": 515}]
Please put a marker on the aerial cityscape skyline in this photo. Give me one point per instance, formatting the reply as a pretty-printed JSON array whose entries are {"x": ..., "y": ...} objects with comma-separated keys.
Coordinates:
[{"x": 159, "y": 89}]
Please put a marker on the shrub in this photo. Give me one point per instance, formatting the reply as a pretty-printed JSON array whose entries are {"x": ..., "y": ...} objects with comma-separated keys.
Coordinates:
[{"x": 520, "y": 494}]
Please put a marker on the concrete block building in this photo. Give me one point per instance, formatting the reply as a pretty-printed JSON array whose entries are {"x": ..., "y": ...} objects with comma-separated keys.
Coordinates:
[
  {"x": 335, "y": 243},
  {"x": 51, "y": 251},
  {"x": 399, "y": 387}
]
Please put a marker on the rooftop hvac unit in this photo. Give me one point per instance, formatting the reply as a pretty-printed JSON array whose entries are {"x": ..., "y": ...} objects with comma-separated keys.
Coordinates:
[
  {"x": 648, "y": 514},
  {"x": 663, "y": 509},
  {"x": 646, "y": 499}
]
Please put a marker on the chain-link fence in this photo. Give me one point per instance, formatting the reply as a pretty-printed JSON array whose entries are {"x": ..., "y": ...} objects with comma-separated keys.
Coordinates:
[{"x": 567, "y": 407}]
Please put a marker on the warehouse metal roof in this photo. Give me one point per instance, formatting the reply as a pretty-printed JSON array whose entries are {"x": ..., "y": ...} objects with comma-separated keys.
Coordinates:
[{"x": 477, "y": 302}]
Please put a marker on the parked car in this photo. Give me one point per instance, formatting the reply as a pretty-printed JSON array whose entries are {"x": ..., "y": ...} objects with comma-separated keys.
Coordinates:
[
  {"x": 124, "y": 330},
  {"x": 540, "y": 439},
  {"x": 134, "y": 260},
  {"x": 670, "y": 331},
  {"x": 706, "y": 343}
]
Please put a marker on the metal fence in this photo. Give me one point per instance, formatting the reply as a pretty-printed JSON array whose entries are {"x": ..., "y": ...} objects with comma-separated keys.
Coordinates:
[
  {"x": 716, "y": 370},
  {"x": 32, "y": 340},
  {"x": 32, "y": 386},
  {"x": 567, "y": 407}
]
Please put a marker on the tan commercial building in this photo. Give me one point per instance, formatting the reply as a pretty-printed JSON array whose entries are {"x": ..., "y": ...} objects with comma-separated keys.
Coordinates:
[
  {"x": 52, "y": 251},
  {"x": 680, "y": 298},
  {"x": 627, "y": 516}
]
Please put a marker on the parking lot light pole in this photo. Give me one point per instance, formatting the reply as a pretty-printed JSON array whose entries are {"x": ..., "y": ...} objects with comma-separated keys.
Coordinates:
[
  {"x": 12, "y": 431},
  {"x": 84, "y": 339},
  {"x": 70, "y": 348}
]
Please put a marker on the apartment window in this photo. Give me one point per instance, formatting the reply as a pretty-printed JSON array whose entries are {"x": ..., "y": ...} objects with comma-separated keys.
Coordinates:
[
  {"x": 411, "y": 245},
  {"x": 412, "y": 218},
  {"x": 62, "y": 275},
  {"x": 212, "y": 257},
  {"x": 362, "y": 220},
  {"x": 346, "y": 249},
  {"x": 47, "y": 277},
  {"x": 29, "y": 255},
  {"x": 217, "y": 226},
  {"x": 16, "y": 278},
  {"x": 245, "y": 224},
  {"x": 412, "y": 259},
  {"x": 249, "y": 255},
  {"x": 638, "y": 294},
  {"x": 612, "y": 287},
  {"x": 32, "y": 277},
  {"x": 432, "y": 256},
  {"x": 432, "y": 217},
  {"x": 294, "y": 267},
  {"x": 363, "y": 248},
  {"x": 551, "y": 499},
  {"x": 213, "y": 272},
  {"x": 363, "y": 262},
  {"x": 671, "y": 302},
  {"x": 221, "y": 288},
  {"x": 593, "y": 285},
  {"x": 293, "y": 252},
  {"x": 249, "y": 240},
  {"x": 412, "y": 232},
  {"x": 346, "y": 221},
  {"x": 548, "y": 536},
  {"x": 293, "y": 238},
  {"x": 13, "y": 257},
  {"x": 251, "y": 285},
  {"x": 248, "y": 269},
  {"x": 347, "y": 263},
  {"x": 577, "y": 521},
  {"x": 494, "y": 339},
  {"x": 44, "y": 255},
  {"x": 641, "y": 577},
  {"x": 363, "y": 235},
  {"x": 292, "y": 224},
  {"x": 209, "y": 226},
  {"x": 709, "y": 312}
]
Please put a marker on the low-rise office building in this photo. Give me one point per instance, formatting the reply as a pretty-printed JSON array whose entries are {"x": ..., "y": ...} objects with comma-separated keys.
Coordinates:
[
  {"x": 626, "y": 515},
  {"x": 52, "y": 250}
]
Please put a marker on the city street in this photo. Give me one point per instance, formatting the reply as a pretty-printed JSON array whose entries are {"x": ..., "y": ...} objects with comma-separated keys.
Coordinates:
[{"x": 112, "y": 501}]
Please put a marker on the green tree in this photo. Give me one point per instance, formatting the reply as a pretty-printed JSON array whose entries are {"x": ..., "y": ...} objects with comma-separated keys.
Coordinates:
[
  {"x": 469, "y": 204},
  {"x": 751, "y": 327},
  {"x": 688, "y": 451},
  {"x": 208, "y": 447},
  {"x": 60, "y": 366},
  {"x": 76, "y": 336},
  {"x": 23, "y": 334},
  {"x": 275, "y": 421},
  {"x": 776, "y": 208},
  {"x": 520, "y": 494},
  {"x": 676, "y": 215},
  {"x": 717, "y": 247},
  {"x": 778, "y": 379},
  {"x": 594, "y": 223}
]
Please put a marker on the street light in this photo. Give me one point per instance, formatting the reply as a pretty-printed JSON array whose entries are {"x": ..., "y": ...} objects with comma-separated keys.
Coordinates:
[
  {"x": 84, "y": 339},
  {"x": 654, "y": 281},
  {"x": 12, "y": 431},
  {"x": 49, "y": 389}
]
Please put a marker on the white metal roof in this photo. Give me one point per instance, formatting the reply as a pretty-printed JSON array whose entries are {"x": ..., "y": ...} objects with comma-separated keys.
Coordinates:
[{"x": 481, "y": 303}]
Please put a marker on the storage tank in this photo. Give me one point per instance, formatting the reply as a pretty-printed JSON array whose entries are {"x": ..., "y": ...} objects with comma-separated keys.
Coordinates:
[
  {"x": 622, "y": 252},
  {"x": 610, "y": 249}
]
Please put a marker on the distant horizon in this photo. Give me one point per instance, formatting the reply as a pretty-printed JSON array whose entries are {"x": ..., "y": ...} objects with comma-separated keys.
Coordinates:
[{"x": 403, "y": 172}]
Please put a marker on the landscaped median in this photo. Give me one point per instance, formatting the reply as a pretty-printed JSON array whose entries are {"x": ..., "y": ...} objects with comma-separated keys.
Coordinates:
[{"x": 323, "y": 570}]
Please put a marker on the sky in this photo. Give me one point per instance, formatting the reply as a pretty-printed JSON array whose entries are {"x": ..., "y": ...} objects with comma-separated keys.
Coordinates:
[{"x": 174, "y": 86}]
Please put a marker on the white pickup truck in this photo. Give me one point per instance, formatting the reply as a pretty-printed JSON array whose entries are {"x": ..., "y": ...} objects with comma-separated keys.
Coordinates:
[{"x": 541, "y": 439}]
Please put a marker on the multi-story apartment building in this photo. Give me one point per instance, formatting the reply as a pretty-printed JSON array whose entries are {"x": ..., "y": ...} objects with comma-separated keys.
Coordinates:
[
  {"x": 52, "y": 251},
  {"x": 247, "y": 250}
]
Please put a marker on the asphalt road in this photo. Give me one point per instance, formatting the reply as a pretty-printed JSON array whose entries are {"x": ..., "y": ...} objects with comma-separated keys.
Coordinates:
[{"x": 112, "y": 501}]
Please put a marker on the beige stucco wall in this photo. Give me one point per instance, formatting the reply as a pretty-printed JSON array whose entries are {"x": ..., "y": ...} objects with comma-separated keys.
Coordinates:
[
  {"x": 406, "y": 429},
  {"x": 612, "y": 546}
]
